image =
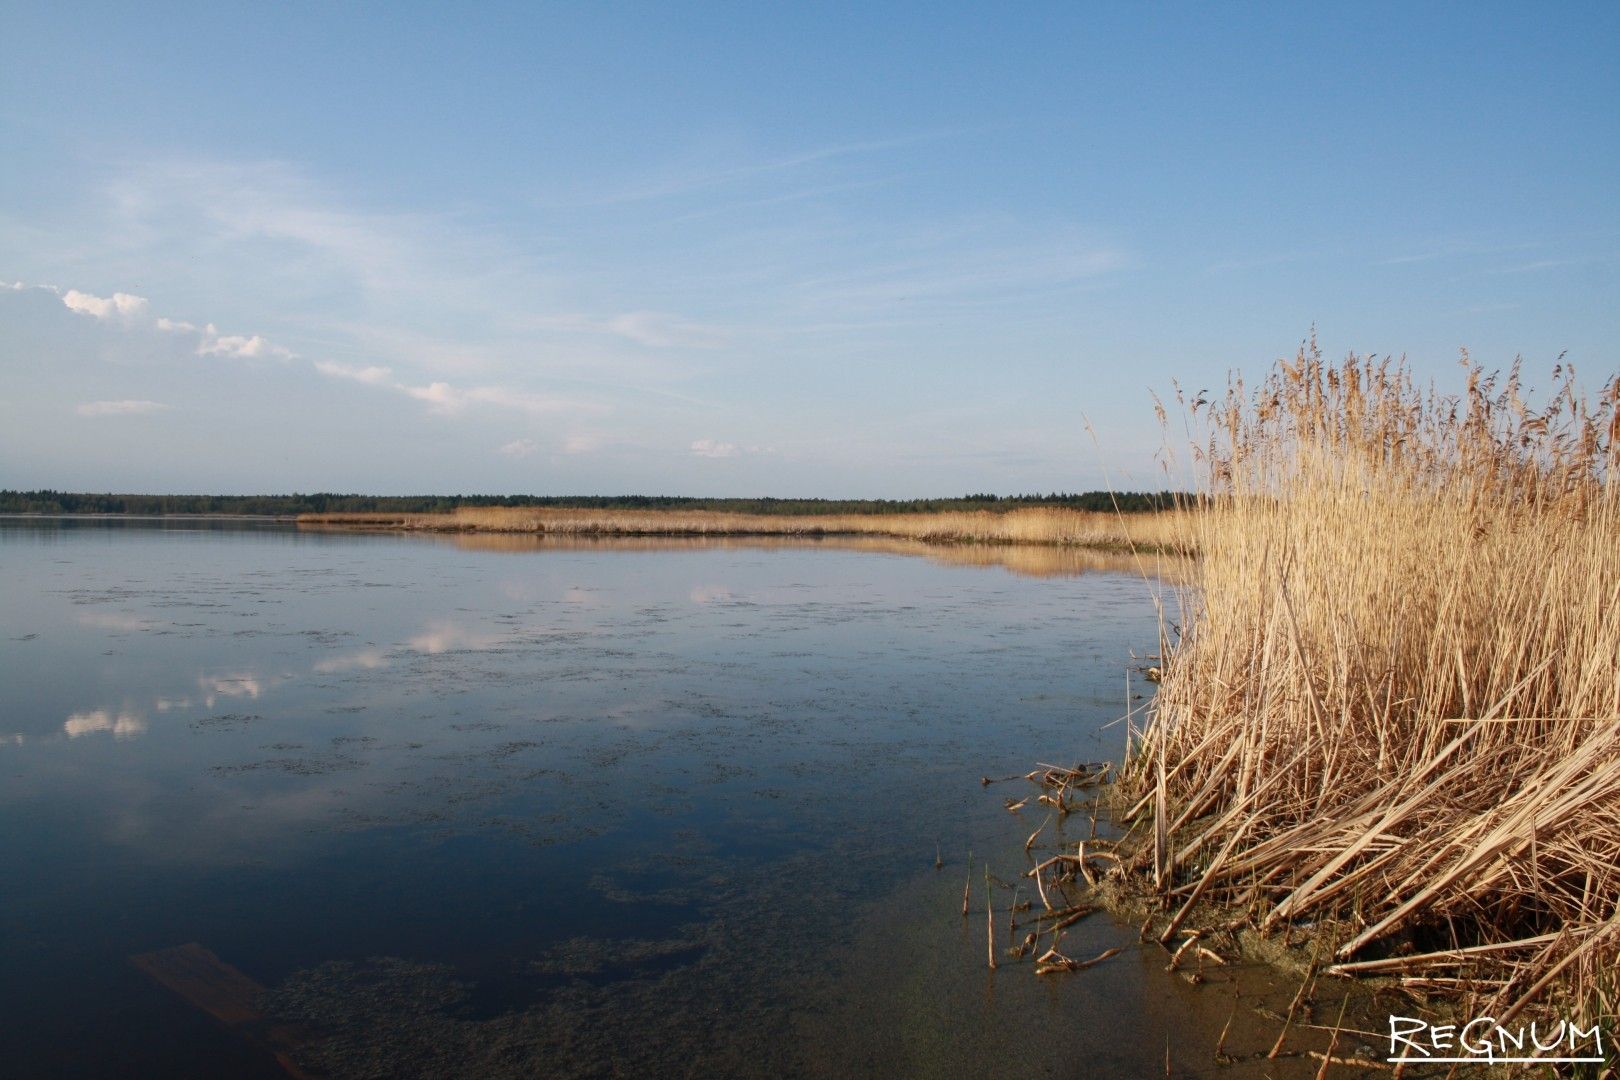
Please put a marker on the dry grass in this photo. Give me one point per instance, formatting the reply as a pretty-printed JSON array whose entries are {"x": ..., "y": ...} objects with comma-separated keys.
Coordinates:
[
  {"x": 1031, "y": 560},
  {"x": 1392, "y": 712},
  {"x": 1043, "y": 525}
]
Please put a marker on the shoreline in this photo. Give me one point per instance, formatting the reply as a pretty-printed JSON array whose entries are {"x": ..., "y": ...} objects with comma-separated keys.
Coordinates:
[{"x": 1145, "y": 533}]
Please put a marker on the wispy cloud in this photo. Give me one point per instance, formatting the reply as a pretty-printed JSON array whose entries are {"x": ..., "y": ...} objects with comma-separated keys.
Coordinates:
[
  {"x": 652, "y": 329},
  {"x": 520, "y": 448},
  {"x": 683, "y": 179},
  {"x": 584, "y": 442},
  {"x": 444, "y": 398},
  {"x": 120, "y": 408},
  {"x": 711, "y": 448},
  {"x": 1256, "y": 262},
  {"x": 1539, "y": 264},
  {"x": 371, "y": 375}
]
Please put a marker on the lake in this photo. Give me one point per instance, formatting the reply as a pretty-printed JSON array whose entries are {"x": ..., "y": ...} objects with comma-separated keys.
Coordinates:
[{"x": 493, "y": 807}]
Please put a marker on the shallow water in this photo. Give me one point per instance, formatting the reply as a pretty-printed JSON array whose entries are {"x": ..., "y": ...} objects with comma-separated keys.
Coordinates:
[{"x": 506, "y": 808}]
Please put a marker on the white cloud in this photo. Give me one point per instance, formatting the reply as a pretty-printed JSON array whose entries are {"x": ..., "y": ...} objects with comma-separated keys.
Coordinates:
[
  {"x": 135, "y": 311},
  {"x": 120, "y": 408},
  {"x": 709, "y": 448},
  {"x": 123, "y": 726},
  {"x": 130, "y": 307},
  {"x": 237, "y": 346}
]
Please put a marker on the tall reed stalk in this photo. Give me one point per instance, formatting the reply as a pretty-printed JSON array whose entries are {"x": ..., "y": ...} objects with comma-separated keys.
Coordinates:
[{"x": 1392, "y": 709}]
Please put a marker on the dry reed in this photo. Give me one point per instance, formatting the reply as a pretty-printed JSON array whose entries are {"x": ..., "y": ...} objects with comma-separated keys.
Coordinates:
[
  {"x": 1030, "y": 525},
  {"x": 1391, "y": 715},
  {"x": 1035, "y": 560}
]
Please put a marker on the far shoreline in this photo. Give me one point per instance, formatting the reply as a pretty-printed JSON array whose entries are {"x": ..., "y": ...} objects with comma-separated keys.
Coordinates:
[{"x": 1145, "y": 533}]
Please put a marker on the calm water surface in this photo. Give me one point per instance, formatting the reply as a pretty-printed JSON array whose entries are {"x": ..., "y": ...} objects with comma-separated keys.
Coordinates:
[{"x": 611, "y": 810}]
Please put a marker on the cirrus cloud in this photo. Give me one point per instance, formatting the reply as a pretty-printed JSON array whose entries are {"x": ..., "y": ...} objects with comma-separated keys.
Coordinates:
[
  {"x": 371, "y": 375},
  {"x": 121, "y": 408}
]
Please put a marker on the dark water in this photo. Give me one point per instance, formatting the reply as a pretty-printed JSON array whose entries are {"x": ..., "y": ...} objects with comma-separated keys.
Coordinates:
[{"x": 605, "y": 810}]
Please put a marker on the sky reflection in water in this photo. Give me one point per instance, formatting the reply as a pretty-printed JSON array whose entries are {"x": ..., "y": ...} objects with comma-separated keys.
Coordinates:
[{"x": 568, "y": 791}]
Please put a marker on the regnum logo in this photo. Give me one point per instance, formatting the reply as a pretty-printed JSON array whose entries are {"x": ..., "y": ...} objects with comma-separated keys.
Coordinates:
[{"x": 1485, "y": 1041}]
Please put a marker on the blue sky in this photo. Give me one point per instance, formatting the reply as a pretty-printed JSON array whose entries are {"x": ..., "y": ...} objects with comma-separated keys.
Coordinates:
[{"x": 865, "y": 250}]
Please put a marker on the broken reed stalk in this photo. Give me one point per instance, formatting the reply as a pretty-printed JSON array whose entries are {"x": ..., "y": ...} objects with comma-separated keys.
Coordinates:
[
  {"x": 1052, "y": 961},
  {"x": 1031, "y": 841},
  {"x": 1392, "y": 700}
]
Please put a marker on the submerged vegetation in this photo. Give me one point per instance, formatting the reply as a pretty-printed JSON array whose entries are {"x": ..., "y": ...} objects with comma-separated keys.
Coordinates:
[
  {"x": 1043, "y": 525},
  {"x": 1389, "y": 720}
]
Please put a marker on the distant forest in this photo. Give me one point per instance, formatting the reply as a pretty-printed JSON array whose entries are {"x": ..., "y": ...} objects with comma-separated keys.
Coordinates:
[{"x": 73, "y": 502}]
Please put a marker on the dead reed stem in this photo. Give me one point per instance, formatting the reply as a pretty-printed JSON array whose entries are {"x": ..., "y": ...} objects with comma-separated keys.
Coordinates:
[{"x": 1389, "y": 710}]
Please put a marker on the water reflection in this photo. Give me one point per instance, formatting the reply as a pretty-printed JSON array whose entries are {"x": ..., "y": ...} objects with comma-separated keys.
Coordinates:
[
  {"x": 123, "y": 725},
  {"x": 362, "y": 660},
  {"x": 444, "y": 636},
  {"x": 674, "y": 786},
  {"x": 710, "y": 594},
  {"x": 243, "y": 684},
  {"x": 117, "y": 621}
]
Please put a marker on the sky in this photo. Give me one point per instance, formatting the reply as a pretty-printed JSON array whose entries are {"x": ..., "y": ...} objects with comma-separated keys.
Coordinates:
[{"x": 866, "y": 250}]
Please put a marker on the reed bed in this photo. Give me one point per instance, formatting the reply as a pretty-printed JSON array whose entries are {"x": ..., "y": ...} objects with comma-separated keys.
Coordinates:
[
  {"x": 1030, "y": 560},
  {"x": 1389, "y": 717},
  {"x": 1034, "y": 525}
]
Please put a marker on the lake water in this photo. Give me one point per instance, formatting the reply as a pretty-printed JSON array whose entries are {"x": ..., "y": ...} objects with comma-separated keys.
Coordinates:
[{"x": 499, "y": 808}]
